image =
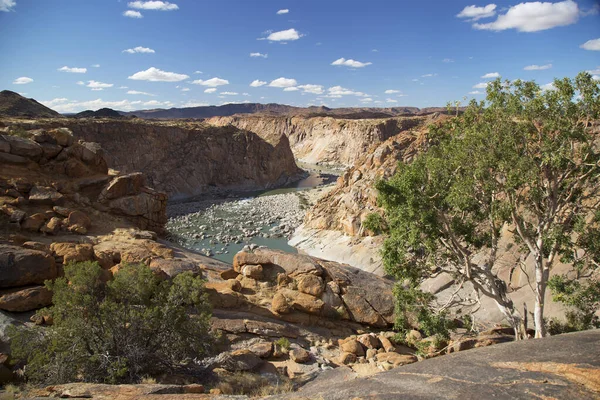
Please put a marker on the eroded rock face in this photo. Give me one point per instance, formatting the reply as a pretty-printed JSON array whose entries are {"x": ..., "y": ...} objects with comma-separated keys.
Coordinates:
[
  {"x": 20, "y": 266},
  {"x": 184, "y": 159}
]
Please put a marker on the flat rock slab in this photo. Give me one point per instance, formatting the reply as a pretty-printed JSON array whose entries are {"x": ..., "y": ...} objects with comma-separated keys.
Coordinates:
[{"x": 562, "y": 367}]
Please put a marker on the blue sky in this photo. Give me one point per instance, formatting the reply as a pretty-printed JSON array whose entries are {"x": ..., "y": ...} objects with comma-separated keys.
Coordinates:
[{"x": 155, "y": 54}]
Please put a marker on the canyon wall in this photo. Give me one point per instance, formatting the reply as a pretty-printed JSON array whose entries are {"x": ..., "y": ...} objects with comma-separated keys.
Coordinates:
[
  {"x": 324, "y": 139},
  {"x": 187, "y": 159}
]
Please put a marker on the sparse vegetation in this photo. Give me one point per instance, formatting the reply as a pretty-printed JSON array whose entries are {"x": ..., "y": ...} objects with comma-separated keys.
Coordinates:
[
  {"x": 583, "y": 301},
  {"x": 131, "y": 328},
  {"x": 283, "y": 342},
  {"x": 249, "y": 384}
]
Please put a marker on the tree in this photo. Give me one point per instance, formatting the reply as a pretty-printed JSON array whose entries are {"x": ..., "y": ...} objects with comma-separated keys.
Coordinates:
[
  {"x": 526, "y": 159},
  {"x": 133, "y": 326}
]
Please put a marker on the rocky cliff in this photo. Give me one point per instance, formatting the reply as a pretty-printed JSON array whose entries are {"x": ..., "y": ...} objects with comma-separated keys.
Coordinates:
[
  {"x": 330, "y": 140},
  {"x": 186, "y": 159}
]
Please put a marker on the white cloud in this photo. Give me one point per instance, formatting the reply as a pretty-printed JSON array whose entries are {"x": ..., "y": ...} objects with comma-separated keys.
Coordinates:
[
  {"x": 22, "y": 81},
  {"x": 64, "y": 105},
  {"x": 350, "y": 63},
  {"x": 80, "y": 82},
  {"x": 212, "y": 82},
  {"x": 428, "y": 75},
  {"x": 474, "y": 13},
  {"x": 95, "y": 85},
  {"x": 593, "y": 44},
  {"x": 140, "y": 93},
  {"x": 210, "y": 90},
  {"x": 259, "y": 55},
  {"x": 537, "y": 67},
  {"x": 283, "y": 36},
  {"x": 314, "y": 89},
  {"x": 198, "y": 72},
  {"x": 291, "y": 89},
  {"x": 284, "y": 11},
  {"x": 139, "y": 49},
  {"x": 133, "y": 14},
  {"x": 185, "y": 89},
  {"x": 257, "y": 83},
  {"x": 481, "y": 85},
  {"x": 156, "y": 75},
  {"x": 548, "y": 86},
  {"x": 245, "y": 94},
  {"x": 123, "y": 87},
  {"x": 491, "y": 75},
  {"x": 95, "y": 65},
  {"x": 338, "y": 91},
  {"x": 534, "y": 16},
  {"x": 229, "y": 93},
  {"x": 391, "y": 91},
  {"x": 391, "y": 100},
  {"x": 596, "y": 77},
  {"x": 193, "y": 103},
  {"x": 73, "y": 70},
  {"x": 156, "y": 103},
  {"x": 475, "y": 92},
  {"x": 6, "y": 5},
  {"x": 153, "y": 5},
  {"x": 448, "y": 60},
  {"x": 594, "y": 71},
  {"x": 366, "y": 100},
  {"x": 283, "y": 82}
]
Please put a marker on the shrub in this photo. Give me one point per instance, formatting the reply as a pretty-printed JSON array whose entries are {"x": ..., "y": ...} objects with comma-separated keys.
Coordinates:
[
  {"x": 583, "y": 299},
  {"x": 283, "y": 342},
  {"x": 129, "y": 328}
]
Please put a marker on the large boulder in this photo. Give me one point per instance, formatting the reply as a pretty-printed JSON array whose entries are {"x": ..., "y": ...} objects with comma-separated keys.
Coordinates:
[
  {"x": 25, "y": 299},
  {"x": 126, "y": 185},
  {"x": 73, "y": 252},
  {"x": 20, "y": 267},
  {"x": 239, "y": 360},
  {"x": 175, "y": 267},
  {"x": 23, "y": 147},
  {"x": 44, "y": 195}
]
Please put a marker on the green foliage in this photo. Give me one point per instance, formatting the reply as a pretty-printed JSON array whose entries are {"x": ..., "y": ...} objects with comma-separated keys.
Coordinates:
[
  {"x": 524, "y": 157},
  {"x": 131, "y": 327},
  {"x": 583, "y": 299},
  {"x": 375, "y": 223},
  {"x": 283, "y": 342}
]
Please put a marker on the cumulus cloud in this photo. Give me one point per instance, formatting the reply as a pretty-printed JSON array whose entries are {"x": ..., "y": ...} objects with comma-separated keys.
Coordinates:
[
  {"x": 156, "y": 103},
  {"x": 314, "y": 89},
  {"x": 473, "y": 13},
  {"x": 194, "y": 104},
  {"x": 548, "y": 86},
  {"x": 23, "y": 80},
  {"x": 537, "y": 67},
  {"x": 282, "y": 82},
  {"x": 428, "y": 75},
  {"x": 481, "y": 85},
  {"x": 95, "y": 85},
  {"x": 594, "y": 71},
  {"x": 229, "y": 93},
  {"x": 156, "y": 75},
  {"x": 338, "y": 91},
  {"x": 257, "y": 83},
  {"x": 7, "y": 5},
  {"x": 491, "y": 75},
  {"x": 291, "y": 89},
  {"x": 475, "y": 92},
  {"x": 185, "y": 89},
  {"x": 212, "y": 82},
  {"x": 139, "y": 49},
  {"x": 283, "y": 36},
  {"x": 73, "y": 70},
  {"x": 136, "y": 92},
  {"x": 350, "y": 63},
  {"x": 259, "y": 55},
  {"x": 391, "y": 100},
  {"x": 366, "y": 100},
  {"x": 284, "y": 11},
  {"x": 210, "y": 90},
  {"x": 391, "y": 91},
  {"x": 153, "y": 5},
  {"x": 133, "y": 14},
  {"x": 534, "y": 16},
  {"x": 64, "y": 105},
  {"x": 593, "y": 44}
]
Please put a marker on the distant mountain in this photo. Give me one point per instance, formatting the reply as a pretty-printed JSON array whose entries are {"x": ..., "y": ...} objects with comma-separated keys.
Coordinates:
[
  {"x": 14, "y": 105},
  {"x": 101, "y": 113},
  {"x": 280, "y": 109}
]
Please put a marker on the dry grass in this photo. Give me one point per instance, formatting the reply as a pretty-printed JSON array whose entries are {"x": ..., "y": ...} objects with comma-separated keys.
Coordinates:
[{"x": 245, "y": 383}]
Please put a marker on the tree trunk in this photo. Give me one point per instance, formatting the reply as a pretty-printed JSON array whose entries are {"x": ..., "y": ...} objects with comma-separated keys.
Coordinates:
[
  {"x": 513, "y": 317},
  {"x": 541, "y": 280}
]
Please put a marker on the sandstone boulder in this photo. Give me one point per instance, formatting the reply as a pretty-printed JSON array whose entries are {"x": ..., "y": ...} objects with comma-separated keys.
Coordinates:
[
  {"x": 302, "y": 301},
  {"x": 53, "y": 226},
  {"x": 126, "y": 185},
  {"x": 369, "y": 341},
  {"x": 62, "y": 136},
  {"x": 23, "y": 147},
  {"x": 20, "y": 267},
  {"x": 253, "y": 271},
  {"x": 352, "y": 346},
  {"x": 396, "y": 359},
  {"x": 239, "y": 360},
  {"x": 310, "y": 284},
  {"x": 299, "y": 355},
  {"x": 73, "y": 252},
  {"x": 347, "y": 358},
  {"x": 25, "y": 299},
  {"x": 33, "y": 222},
  {"x": 262, "y": 349},
  {"x": 175, "y": 267},
  {"x": 44, "y": 195}
]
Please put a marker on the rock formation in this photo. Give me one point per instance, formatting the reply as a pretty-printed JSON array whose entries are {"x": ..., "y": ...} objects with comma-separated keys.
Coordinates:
[
  {"x": 186, "y": 159},
  {"x": 325, "y": 139}
]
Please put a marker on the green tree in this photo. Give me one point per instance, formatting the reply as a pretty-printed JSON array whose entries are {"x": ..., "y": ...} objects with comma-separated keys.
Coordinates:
[
  {"x": 133, "y": 326},
  {"x": 526, "y": 159}
]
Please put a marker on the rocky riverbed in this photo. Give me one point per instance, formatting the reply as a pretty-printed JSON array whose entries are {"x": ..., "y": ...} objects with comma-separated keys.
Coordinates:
[{"x": 220, "y": 228}]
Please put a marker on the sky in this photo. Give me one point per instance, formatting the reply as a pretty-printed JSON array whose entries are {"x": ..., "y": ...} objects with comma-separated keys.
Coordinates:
[{"x": 73, "y": 55}]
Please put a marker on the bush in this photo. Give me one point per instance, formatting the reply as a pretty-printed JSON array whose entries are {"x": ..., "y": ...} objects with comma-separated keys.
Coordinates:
[
  {"x": 129, "y": 328},
  {"x": 583, "y": 299}
]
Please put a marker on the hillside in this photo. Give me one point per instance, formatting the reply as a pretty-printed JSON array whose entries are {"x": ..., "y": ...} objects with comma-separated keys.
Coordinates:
[
  {"x": 14, "y": 105},
  {"x": 101, "y": 113}
]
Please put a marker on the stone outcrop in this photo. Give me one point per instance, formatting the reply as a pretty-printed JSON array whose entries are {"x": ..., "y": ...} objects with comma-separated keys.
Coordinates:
[
  {"x": 184, "y": 158},
  {"x": 56, "y": 191},
  {"x": 325, "y": 139}
]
